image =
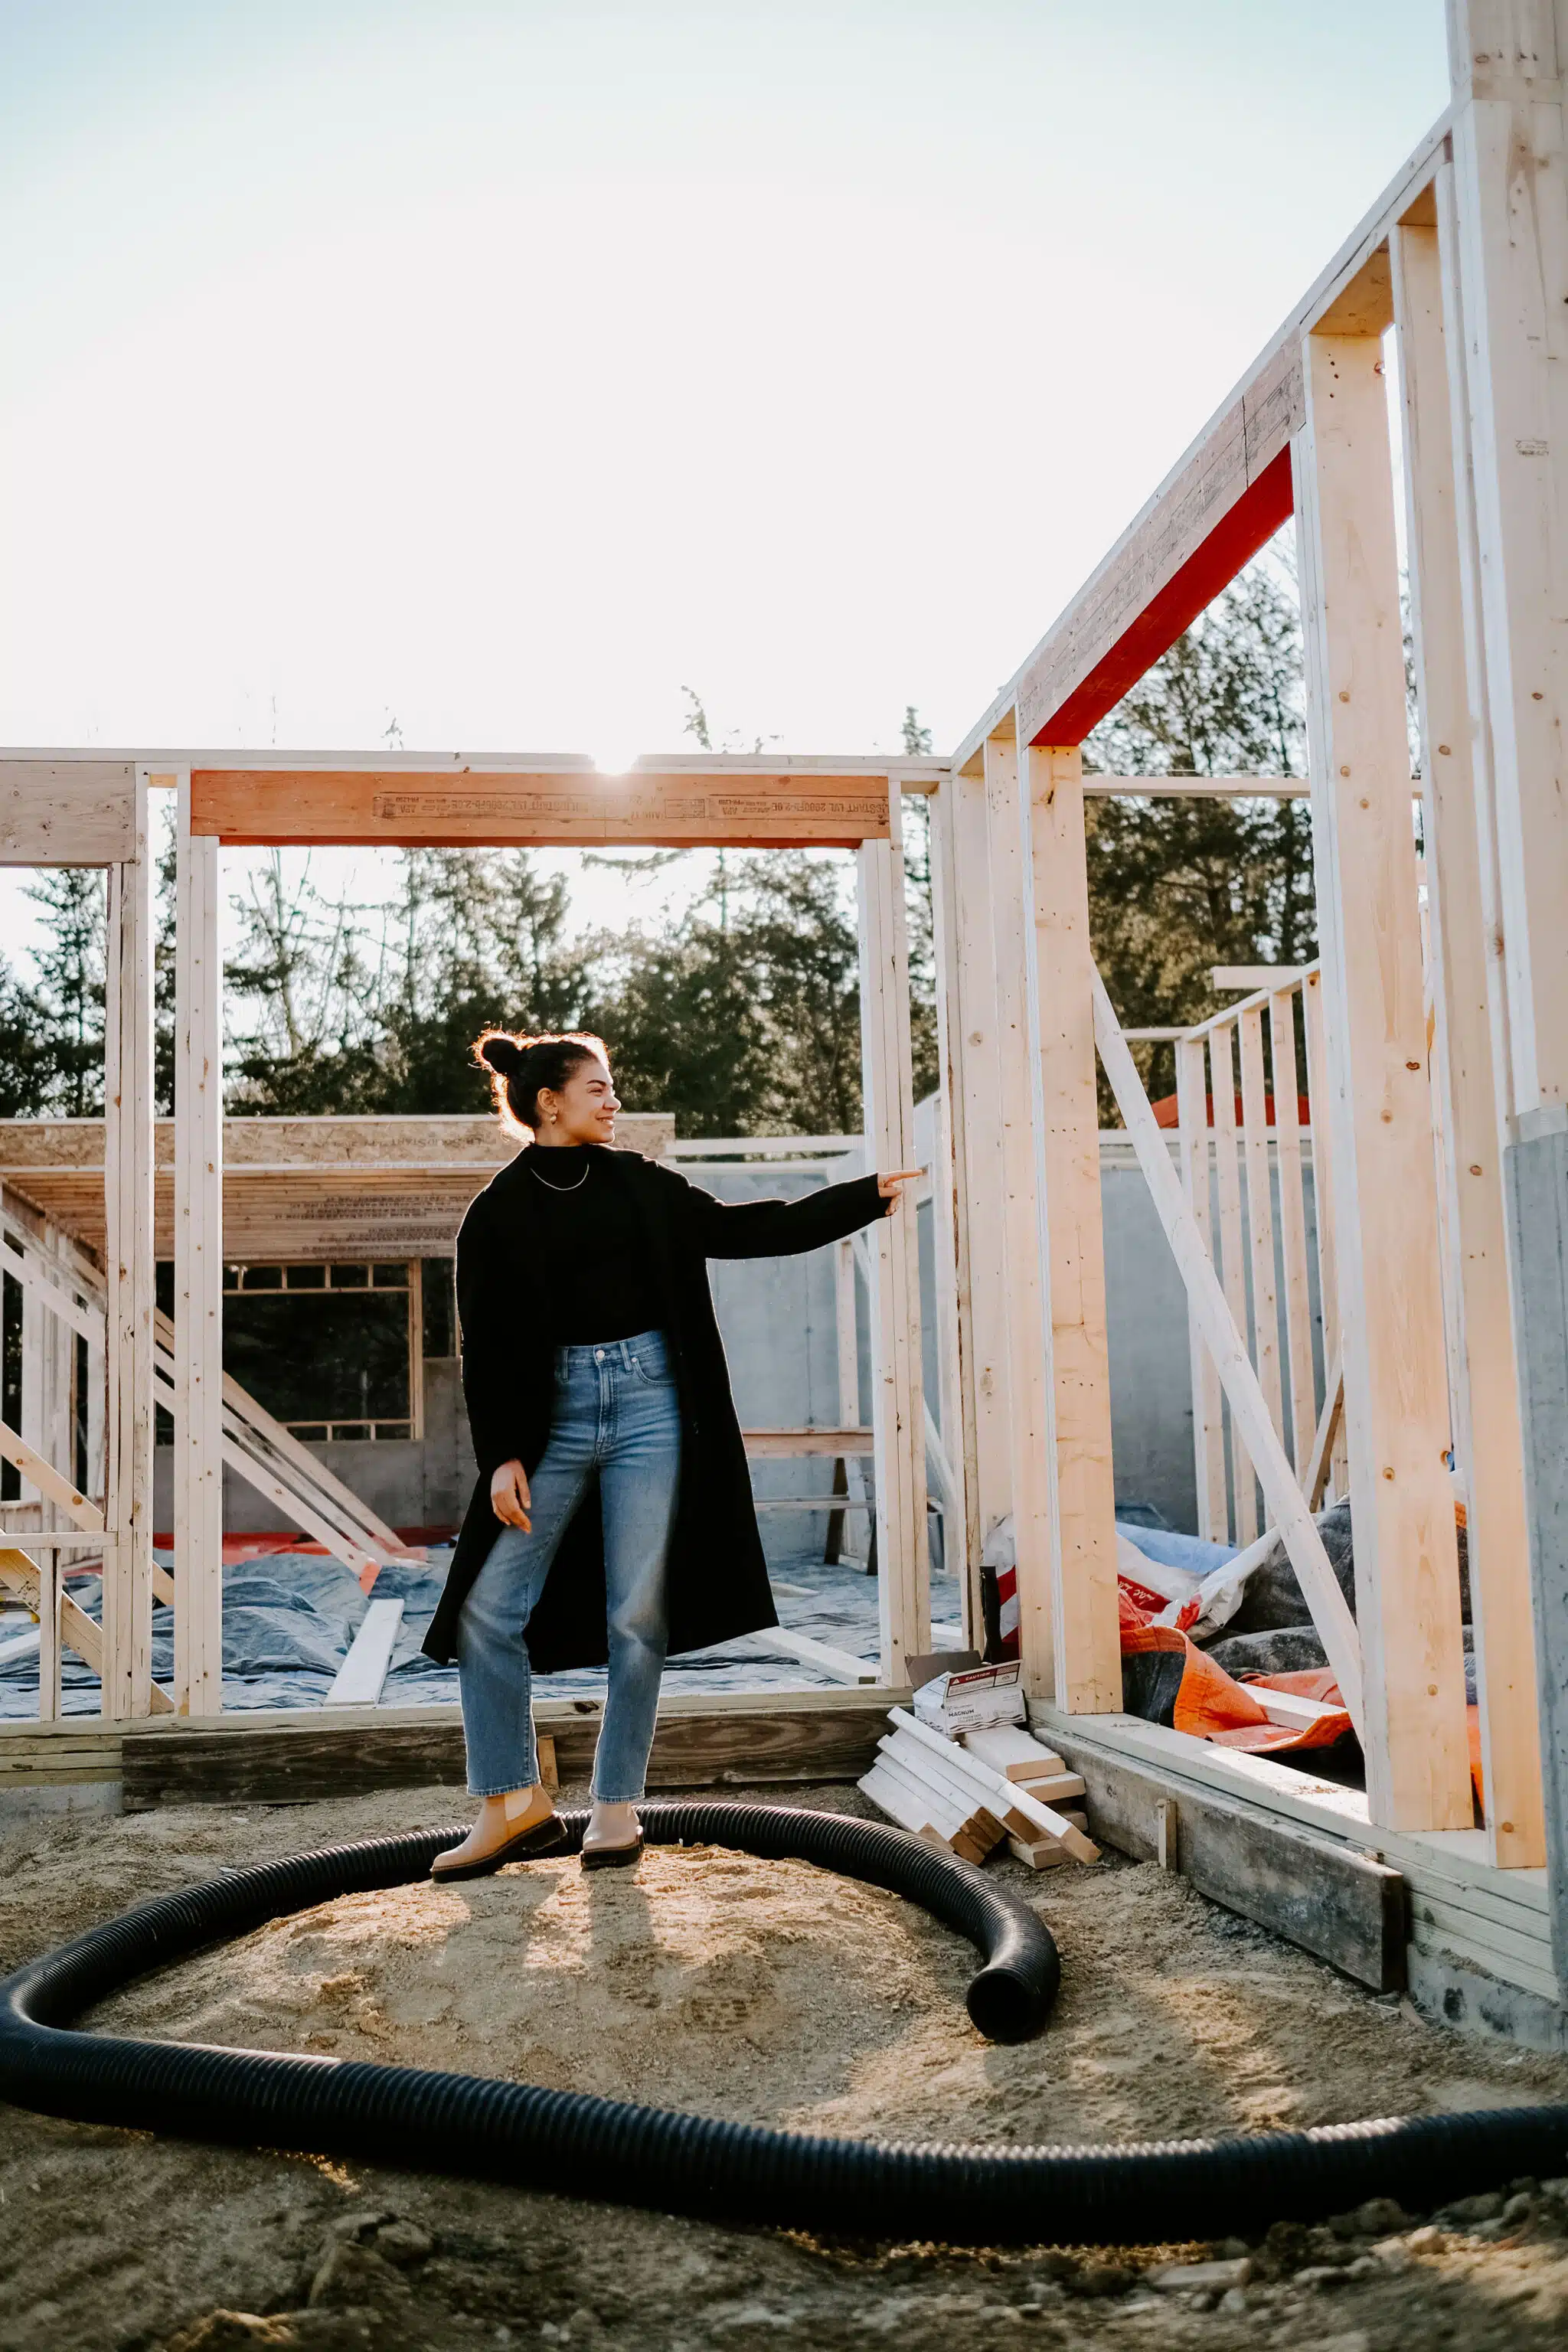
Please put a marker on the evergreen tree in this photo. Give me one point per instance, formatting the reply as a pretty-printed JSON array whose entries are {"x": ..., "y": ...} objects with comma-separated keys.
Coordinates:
[
  {"x": 479, "y": 939},
  {"x": 164, "y": 956},
  {"x": 312, "y": 1045},
  {"x": 682, "y": 1018},
  {"x": 26, "y": 1065},
  {"x": 70, "y": 994},
  {"x": 797, "y": 941},
  {"x": 1176, "y": 885}
]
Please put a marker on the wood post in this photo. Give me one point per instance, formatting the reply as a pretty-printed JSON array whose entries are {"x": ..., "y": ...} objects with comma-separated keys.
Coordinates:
[
  {"x": 1488, "y": 1439},
  {"x": 1504, "y": 243},
  {"x": 1209, "y": 1409},
  {"x": 1060, "y": 973},
  {"x": 1261, "y": 1212},
  {"x": 1034, "y": 1471},
  {"x": 971, "y": 1068},
  {"x": 1292, "y": 1225},
  {"x": 962, "y": 1537},
  {"x": 843, "y": 1537},
  {"x": 1233, "y": 1274},
  {"x": 1512, "y": 270},
  {"x": 1391, "y": 1309},
  {"x": 415, "y": 1347},
  {"x": 199, "y": 1272},
  {"x": 898, "y": 1417},
  {"x": 128, "y": 1202},
  {"x": 60, "y": 1366},
  {"x": 32, "y": 1418},
  {"x": 1320, "y": 1105}
]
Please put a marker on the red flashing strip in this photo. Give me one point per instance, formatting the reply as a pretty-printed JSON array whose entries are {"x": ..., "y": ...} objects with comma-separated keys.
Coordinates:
[{"x": 1235, "y": 540}]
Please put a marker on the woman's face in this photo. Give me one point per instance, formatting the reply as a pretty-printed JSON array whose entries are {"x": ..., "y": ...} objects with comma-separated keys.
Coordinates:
[{"x": 584, "y": 1110}]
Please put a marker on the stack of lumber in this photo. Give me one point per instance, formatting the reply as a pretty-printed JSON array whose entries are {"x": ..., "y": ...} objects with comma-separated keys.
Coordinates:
[
  {"x": 954, "y": 1797},
  {"x": 1036, "y": 1771}
]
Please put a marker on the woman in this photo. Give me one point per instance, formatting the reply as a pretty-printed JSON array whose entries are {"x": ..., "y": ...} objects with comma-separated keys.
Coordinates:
[{"x": 605, "y": 1437}]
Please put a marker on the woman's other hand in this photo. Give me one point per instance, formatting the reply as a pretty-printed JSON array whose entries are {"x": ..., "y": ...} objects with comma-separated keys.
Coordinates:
[
  {"x": 510, "y": 1495},
  {"x": 889, "y": 1186}
]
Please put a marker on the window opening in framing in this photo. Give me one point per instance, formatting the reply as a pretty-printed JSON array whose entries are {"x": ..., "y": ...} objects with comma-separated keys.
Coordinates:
[{"x": 330, "y": 1350}]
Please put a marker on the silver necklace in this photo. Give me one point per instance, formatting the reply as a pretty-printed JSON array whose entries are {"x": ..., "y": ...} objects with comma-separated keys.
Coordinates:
[{"x": 564, "y": 1188}]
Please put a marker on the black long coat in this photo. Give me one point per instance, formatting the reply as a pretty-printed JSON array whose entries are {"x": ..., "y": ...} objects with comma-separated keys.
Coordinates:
[{"x": 717, "y": 1585}]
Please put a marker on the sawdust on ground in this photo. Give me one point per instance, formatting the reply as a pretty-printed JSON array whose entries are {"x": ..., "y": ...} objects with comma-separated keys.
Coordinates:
[{"x": 768, "y": 1991}]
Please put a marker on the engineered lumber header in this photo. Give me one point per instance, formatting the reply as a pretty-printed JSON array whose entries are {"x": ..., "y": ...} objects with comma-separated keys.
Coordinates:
[
  {"x": 720, "y": 803},
  {"x": 1222, "y": 501}
]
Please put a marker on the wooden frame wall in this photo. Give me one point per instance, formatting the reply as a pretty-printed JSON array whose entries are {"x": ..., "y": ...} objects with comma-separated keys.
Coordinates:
[
  {"x": 719, "y": 800},
  {"x": 1503, "y": 246},
  {"x": 198, "y": 1269},
  {"x": 1391, "y": 1309},
  {"x": 898, "y": 1422},
  {"x": 58, "y": 811},
  {"x": 973, "y": 1178},
  {"x": 1413, "y": 1137},
  {"x": 59, "y": 808}
]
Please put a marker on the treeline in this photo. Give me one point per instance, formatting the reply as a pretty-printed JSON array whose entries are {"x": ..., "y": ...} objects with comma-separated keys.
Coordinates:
[{"x": 740, "y": 1010}]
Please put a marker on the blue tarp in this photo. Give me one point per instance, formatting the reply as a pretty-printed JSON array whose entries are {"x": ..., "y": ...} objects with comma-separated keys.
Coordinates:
[{"x": 288, "y": 1619}]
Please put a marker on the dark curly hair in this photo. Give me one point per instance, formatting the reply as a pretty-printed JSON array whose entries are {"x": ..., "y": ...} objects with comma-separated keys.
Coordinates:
[{"x": 518, "y": 1067}]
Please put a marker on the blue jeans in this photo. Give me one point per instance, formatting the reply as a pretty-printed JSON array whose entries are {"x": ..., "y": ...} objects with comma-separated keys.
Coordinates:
[{"x": 618, "y": 1414}]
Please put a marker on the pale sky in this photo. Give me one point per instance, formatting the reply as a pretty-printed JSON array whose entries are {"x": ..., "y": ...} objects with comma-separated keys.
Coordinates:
[{"x": 500, "y": 369}]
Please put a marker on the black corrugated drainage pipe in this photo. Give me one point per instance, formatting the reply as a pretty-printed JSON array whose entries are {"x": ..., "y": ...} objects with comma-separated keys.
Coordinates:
[{"x": 563, "y": 2142}]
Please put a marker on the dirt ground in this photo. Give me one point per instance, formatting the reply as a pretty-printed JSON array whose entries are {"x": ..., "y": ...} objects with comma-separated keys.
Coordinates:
[{"x": 770, "y": 1991}]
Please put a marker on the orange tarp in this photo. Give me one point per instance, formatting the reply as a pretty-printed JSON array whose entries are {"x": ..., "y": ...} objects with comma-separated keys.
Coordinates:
[{"x": 1212, "y": 1705}]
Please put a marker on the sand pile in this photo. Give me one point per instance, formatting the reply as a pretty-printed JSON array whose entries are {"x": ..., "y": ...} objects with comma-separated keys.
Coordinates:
[
  {"x": 764, "y": 1990},
  {"x": 777, "y": 1993}
]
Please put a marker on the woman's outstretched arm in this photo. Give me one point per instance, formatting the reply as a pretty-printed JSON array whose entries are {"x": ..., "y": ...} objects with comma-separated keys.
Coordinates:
[{"x": 787, "y": 1228}]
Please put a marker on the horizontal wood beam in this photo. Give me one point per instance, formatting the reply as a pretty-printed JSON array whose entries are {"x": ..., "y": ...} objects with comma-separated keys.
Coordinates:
[
  {"x": 1251, "y": 977},
  {"x": 738, "y": 1747},
  {"x": 1340, "y": 1904},
  {"x": 66, "y": 811},
  {"x": 1100, "y": 786},
  {"x": 1279, "y": 977},
  {"x": 766, "y": 1445},
  {"x": 776, "y": 810}
]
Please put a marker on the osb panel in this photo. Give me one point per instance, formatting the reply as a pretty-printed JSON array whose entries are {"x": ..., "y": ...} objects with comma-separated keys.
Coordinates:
[{"x": 304, "y": 1189}]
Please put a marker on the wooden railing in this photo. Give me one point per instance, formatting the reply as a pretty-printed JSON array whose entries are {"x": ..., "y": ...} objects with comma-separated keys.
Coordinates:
[
  {"x": 1244, "y": 1180},
  {"x": 1240, "y": 1366},
  {"x": 63, "y": 1304}
]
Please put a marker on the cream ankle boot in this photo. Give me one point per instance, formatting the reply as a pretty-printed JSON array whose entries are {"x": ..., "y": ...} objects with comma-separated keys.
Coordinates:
[
  {"x": 509, "y": 1828},
  {"x": 613, "y": 1838}
]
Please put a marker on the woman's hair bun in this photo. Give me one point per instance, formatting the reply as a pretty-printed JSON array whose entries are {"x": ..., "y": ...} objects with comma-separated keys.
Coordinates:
[
  {"x": 519, "y": 1067},
  {"x": 501, "y": 1053}
]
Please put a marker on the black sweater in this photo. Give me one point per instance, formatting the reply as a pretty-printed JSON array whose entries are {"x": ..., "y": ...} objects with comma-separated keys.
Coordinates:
[{"x": 604, "y": 1286}]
